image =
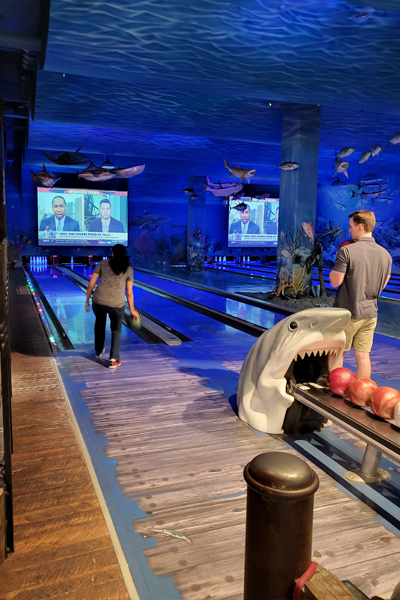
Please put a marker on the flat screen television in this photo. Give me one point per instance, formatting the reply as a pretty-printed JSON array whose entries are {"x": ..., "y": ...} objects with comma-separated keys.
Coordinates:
[
  {"x": 82, "y": 217},
  {"x": 256, "y": 226}
]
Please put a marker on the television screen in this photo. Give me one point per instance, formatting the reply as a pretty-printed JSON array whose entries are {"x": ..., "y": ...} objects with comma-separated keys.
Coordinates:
[
  {"x": 257, "y": 225},
  {"x": 78, "y": 217}
]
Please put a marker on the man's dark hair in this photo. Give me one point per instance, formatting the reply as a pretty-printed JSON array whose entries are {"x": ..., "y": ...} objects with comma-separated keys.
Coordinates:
[
  {"x": 55, "y": 198},
  {"x": 366, "y": 218},
  {"x": 105, "y": 201}
]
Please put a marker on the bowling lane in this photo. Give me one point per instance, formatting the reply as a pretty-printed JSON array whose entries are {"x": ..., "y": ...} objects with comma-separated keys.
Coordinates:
[
  {"x": 259, "y": 316},
  {"x": 68, "y": 301}
]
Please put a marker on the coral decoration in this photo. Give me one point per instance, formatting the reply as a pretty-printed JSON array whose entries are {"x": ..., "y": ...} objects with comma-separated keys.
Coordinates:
[
  {"x": 383, "y": 402},
  {"x": 145, "y": 244},
  {"x": 360, "y": 390}
]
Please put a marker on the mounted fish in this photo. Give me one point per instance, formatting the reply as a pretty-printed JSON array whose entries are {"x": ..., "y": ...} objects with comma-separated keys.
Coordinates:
[
  {"x": 373, "y": 185},
  {"x": 376, "y": 150},
  {"x": 341, "y": 167},
  {"x": 262, "y": 195},
  {"x": 238, "y": 195},
  {"x": 219, "y": 185},
  {"x": 240, "y": 207},
  {"x": 363, "y": 16},
  {"x": 340, "y": 206},
  {"x": 234, "y": 188},
  {"x": 365, "y": 156},
  {"x": 345, "y": 152},
  {"x": 386, "y": 200},
  {"x": 93, "y": 173},
  {"x": 287, "y": 166},
  {"x": 372, "y": 194},
  {"x": 395, "y": 139},
  {"x": 241, "y": 173},
  {"x": 148, "y": 221},
  {"x": 66, "y": 158},
  {"x": 128, "y": 171},
  {"x": 188, "y": 191},
  {"x": 45, "y": 177},
  {"x": 308, "y": 230}
]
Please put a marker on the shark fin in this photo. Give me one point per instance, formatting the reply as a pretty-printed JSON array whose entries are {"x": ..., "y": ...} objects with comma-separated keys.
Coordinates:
[
  {"x": 248, "y": 179},
  {"x": 79, "y": 148},
  {"x": 91, "y": 164},
  {"x": 226, "y": 164},
  {"x": 33, "y": 175},
  {"x": 239, "y": 167},
  {"x": 146, "y": 212},
  {"x": 353, "y": 193},
  {"x": 345, "y": 172},
  {"x": 44, "y": 168}
]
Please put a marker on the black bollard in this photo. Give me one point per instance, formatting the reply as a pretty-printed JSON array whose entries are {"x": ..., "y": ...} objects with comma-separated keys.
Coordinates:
[{"x": 280, "y": 499}]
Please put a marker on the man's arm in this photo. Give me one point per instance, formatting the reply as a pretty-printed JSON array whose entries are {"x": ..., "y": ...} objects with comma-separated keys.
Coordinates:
[
  {"x": 92, "y": 283},
  {"x": 129, "y": 297},
  {"x": 387, "y": 281},
  {"x": 336, "y": 278}
]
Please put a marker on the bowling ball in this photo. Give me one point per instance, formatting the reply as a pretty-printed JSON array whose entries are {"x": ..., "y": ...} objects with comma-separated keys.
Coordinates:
[
  {"x": 339, "y": 380},
  {"x": 135, "y": 324},
  {"x": 360, "y": 390},
  {"x": 383, "y": 401},
  {"x": 346, "y": 243}
]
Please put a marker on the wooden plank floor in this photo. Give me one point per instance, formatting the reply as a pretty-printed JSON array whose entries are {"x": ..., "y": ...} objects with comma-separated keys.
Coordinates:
[
  {"x": 180, "y": 453},
  {"x": 62, "y": 545}
]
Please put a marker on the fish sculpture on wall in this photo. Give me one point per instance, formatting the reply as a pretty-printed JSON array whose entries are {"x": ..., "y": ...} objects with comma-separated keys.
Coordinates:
[
  {"x": 240, "y": 207},
  {"x": 287, "y": 166},
  {"x": 338, "y": 181},
  {"x": 93, "y": 173},
  {"x": 365, "y": 156},
  {"x": 376, "y": 150},
  {"x": 395, "y": 139},
  {"x": 224, "y": 192},
  {"x": 241, "y": 173},
  {"x": 128, "y": 172},
  {"x": 345, "y": 152},
  {"x": 341, "y": 167},
  {"x": 66, "y": 158},
  {"x": 45, "y": 177}
]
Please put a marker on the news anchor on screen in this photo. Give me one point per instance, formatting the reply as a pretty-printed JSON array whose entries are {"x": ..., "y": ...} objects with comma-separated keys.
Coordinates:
[
  {"x": 60, "y": 221},
  {"x": 244, "y": 226},
  {"x": 106, "y": 223}
]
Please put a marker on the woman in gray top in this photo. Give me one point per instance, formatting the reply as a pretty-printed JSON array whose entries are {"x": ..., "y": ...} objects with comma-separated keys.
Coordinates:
[{"x": 108, "y": 299}]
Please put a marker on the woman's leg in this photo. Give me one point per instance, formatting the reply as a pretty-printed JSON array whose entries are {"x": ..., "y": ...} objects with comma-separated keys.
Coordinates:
[
  {"x": 116, "y": 318},
  {"x": 100, "y": 312}
]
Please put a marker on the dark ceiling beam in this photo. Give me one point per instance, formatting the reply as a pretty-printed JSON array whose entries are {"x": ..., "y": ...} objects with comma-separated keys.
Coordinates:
[{"x": 16, "y": 41}]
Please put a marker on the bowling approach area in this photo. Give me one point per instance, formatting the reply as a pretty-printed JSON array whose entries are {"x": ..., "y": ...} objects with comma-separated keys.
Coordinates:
[{"x": 130, "y": 484}]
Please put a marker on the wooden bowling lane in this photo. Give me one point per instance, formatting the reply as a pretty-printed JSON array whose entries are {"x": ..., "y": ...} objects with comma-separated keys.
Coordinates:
[
  {"x": 62, "y": 545},
  {"x": 180, "y": 452}
]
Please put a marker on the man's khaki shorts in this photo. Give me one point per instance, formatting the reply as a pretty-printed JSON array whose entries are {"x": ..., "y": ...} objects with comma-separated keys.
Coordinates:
[{"x": 360, "y": 334}]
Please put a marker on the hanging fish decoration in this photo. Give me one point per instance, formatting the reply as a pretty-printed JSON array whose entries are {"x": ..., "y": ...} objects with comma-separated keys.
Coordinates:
[{"x": 66, "y": 158}]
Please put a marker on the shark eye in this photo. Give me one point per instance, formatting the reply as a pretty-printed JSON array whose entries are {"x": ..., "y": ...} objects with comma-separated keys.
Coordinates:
[{"x": 293, "y": 325}]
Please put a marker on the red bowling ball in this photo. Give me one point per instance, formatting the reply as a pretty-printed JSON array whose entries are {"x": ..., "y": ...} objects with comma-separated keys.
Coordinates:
[
  {"x": 360, "y": 390},
  {"x": 339, "y": 380},
  {"x": 383, "y": 402}
]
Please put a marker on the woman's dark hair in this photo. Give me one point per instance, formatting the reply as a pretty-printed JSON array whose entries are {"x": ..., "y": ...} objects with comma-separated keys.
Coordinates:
[{"x": 119, "y": 262}]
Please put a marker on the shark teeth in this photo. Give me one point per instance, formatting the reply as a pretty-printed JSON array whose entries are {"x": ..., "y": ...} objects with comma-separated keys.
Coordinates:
[{"x": 303, "y": 353}]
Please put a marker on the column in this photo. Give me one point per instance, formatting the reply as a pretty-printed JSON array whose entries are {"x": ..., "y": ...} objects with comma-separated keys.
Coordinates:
[{"x": 297, "y": 200}]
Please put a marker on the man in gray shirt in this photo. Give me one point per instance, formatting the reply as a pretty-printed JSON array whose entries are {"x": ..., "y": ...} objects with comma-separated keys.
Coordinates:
[{"x": 361, "y": 272}]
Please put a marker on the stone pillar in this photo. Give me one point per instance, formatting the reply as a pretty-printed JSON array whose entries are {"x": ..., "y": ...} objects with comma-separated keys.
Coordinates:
[
  {"x": 297, "y": 199},
  {"x": 196, "y": 226}
]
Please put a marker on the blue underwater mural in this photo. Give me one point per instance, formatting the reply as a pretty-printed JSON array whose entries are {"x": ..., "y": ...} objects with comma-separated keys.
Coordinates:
[{"x": 375, "y": 192}]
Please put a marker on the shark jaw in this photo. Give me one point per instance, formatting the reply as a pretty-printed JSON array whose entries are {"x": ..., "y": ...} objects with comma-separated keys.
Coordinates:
[{"x": 313, "y": 363}]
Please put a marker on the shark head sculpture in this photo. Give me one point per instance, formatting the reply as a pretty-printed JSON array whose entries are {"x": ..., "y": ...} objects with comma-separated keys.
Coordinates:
[{"x": 262, "y": 396}]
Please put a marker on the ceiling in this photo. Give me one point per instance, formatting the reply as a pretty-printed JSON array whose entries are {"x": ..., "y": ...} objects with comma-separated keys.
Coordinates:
[{"x": 181, "y": 84}]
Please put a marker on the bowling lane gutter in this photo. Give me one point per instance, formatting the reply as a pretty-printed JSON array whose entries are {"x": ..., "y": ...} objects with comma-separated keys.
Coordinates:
[
  {"x": 52, "y": 317},
  {"x": 230, "y": 320}
]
